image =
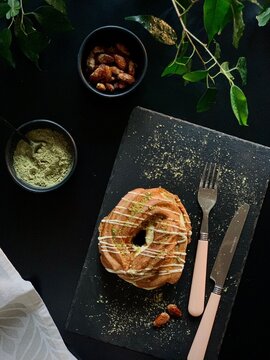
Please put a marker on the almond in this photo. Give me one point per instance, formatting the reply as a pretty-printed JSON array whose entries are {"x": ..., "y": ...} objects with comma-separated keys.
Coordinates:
[
  {"x": 161, "y": 319},
  {"x": 174, "y": 311}
]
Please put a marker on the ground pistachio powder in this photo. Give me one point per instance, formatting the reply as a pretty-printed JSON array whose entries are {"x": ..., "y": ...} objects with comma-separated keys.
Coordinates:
[{"x": 48, "y": 164}]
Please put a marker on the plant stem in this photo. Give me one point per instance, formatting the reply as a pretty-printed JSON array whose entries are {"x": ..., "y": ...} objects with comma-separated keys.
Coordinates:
[
  {"x": 22, "y": 12},
  {"x": 191, "y": 36}
]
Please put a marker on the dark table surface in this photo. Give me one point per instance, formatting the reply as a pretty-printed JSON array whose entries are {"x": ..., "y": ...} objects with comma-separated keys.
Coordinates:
[{"x": 46, "y": 236}]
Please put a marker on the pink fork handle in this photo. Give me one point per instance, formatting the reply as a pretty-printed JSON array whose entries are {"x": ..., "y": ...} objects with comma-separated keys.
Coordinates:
[
  {"x": 197, "y": 292},
  {"x": 201, "y": 339}
]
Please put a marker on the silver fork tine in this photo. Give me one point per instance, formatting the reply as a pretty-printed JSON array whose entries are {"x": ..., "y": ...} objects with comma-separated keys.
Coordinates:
[
  {"x": 217, "y": 177},
  {"x": 208, "y": 176},
  {"x": 203, "y": 176},
  {"x": 213, "y": 178},
  {"x": 207, "y": 197}
]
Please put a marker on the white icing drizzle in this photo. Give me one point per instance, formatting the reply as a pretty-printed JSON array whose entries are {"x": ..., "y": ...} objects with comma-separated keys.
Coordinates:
[
  {"x": 121, "y": 223},
  {"x": 110, "y": 251},
  {"x": 172, "y": 265},
  {"x": 164, "y": 272},
  {"x": 169, "y": 243},
  {"x": 127, "y": 215},
  {"x": 144, "y": 204},
  {"x": 172, "y": 225},
  {"x": 152, "y": 198},
  {"x": 168, "y": 232},
  {"x": 113, "y": 237},
  {"x": 142, "y": 272},
  {"x": 159, "y": 207},
  {"x": 169, "y": 210}
]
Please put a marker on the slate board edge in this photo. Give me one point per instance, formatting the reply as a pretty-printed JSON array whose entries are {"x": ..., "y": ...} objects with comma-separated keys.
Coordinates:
[{"x": 169, "y": 117}]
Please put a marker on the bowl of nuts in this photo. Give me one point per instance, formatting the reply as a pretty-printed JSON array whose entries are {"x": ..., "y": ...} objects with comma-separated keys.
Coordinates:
[{"x": 112, "y": 61}]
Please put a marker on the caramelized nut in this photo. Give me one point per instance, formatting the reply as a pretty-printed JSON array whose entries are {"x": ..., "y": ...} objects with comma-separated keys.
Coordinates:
[
  {"x": 161, "y": 319},
  {"x": 101, "y": 87},
  {"x": 131, "y": 68},
  {"x": 109, "y": 87},
  {"x": 173, "y": 310},
  {"x": 122, "y": 49},
  {"x": 98, "y": 49},
  {"x": 129, "y": 79},
  {"x": 102, "y": 72},
  {"x": 90, "y": 62},
  {"x": 105, "y": 59},
  {"x": 120, "y": 61},
  {"x": 115, "y": 70}
]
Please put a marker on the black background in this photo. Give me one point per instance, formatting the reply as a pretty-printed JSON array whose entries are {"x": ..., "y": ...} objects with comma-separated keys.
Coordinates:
[{"x": 46, "y": 236}]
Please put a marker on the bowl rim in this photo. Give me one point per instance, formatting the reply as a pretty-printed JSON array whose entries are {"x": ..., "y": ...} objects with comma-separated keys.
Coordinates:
[
  {"x": 79, "y": 61},
  {"x": 52, "y": 125}
]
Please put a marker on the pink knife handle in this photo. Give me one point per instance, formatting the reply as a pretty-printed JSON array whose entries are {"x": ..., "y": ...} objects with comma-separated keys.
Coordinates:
[
  {"x": 200, "y": 342},
  {"x": 197, "y": 292}
]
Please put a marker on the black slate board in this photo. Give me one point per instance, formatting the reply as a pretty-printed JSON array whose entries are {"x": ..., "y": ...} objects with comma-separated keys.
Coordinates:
[{"x": 158, "y": 150}]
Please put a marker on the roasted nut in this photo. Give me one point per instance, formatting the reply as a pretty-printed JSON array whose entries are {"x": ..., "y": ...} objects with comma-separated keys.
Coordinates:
[
  {"x": 131, "y": 68},
  {"x": 105, "y": 59},
  {"x": 126, "y": 78},
  {"x": 91, "y": 62},
  {"x": 121, "y": 85},
  {"x": 101, "y": 87},
  {"x": 161, "y": 319},
  {"x": 98, "y": 49},
  {"x": 174, "y": 310},
  {"x": 96, "y": 75},
  {"x": 115, "y": 70},
  {"x": 101, "y": 73},
  {"x": 109, "y": 87},
  {"x": 122, "y": 49},
  {"x": 120, "y": 61}
]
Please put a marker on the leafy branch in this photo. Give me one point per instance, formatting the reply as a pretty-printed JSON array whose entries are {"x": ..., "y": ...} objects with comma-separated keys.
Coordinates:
[
  {"x": 31, "y": 30},
  {"x": 196, "y": 60}
]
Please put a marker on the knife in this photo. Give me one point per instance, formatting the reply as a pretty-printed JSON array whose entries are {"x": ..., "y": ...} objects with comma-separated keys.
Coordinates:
[{"x": 218, "y": 274}]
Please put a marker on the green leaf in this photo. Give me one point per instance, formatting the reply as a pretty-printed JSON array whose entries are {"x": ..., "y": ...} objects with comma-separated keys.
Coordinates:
[
  {"x": 242, "y": 69},
  {"x": 52, "y": 20},
  {"x": 263, "y": 17},
  {"x": 214, "y": 14},
  {"x": 4, "y": 8},
  {"x": 207, "y": 100},
  {"x": 238, "y": 22},
  {"x": 239, "y": 104},
  {"x": 195, "y": 76},
  {"x": 31, "y": 41},
  {"x": 59, "y": 5},
  {"x": 5, "y": 42},
  {"x": 158, "y": 28},
  {"x": 177, "y": 67},
  {"x": 15, "y": 8}
]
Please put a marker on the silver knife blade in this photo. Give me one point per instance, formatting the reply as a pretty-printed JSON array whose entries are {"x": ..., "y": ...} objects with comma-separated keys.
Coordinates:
[{"x": 228, "y": 246}]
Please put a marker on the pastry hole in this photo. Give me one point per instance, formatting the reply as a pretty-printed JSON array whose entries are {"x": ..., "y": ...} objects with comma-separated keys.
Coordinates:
[{"x": 139, "y": 239}]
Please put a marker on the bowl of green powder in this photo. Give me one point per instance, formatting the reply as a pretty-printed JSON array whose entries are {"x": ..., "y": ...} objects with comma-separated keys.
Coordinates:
[{"x": 49, "y": 163}]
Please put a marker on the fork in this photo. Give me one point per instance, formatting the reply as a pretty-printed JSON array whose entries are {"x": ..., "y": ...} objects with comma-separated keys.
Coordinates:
[{"x": 207, "y": 197}]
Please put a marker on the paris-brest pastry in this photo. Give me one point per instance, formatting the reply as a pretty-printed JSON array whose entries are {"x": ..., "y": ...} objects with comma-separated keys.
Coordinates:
[{"x": 144, "y": 238}]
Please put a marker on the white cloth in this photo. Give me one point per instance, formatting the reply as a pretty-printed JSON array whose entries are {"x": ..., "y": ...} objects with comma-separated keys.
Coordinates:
[{"x": 27, "y": 331}]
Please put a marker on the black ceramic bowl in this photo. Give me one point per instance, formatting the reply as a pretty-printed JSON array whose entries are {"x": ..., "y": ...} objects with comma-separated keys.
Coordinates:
[
  {"x": 12, "y": 144},
  {"x": 106, "y": 37}
]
